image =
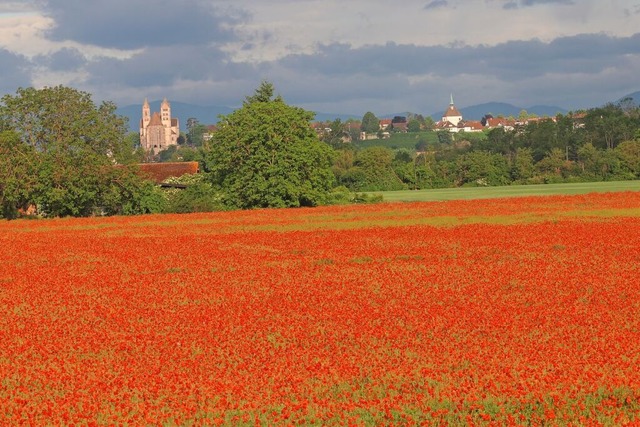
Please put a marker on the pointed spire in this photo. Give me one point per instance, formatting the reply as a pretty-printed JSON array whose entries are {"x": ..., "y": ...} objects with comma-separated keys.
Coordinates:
[
  {"x": 451, "y": 99},
  {"x": 146, "y": 102}
]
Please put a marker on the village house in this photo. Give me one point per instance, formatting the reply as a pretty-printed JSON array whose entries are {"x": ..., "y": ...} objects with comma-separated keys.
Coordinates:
[
  {"x": 208, "y": 135},
  {"x": 385, "y": 124},
  {"x": 452, "y": 121},
  {"x": 499, "y": 122},
  {"x": 399, "y": 124}
]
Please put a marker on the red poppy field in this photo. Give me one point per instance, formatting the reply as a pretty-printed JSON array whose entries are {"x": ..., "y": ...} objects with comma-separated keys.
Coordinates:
[{"x": 518, "y": 311}]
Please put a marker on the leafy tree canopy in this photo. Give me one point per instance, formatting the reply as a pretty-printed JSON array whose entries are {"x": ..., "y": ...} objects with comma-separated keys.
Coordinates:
[
  {"x": 266, "y": 154},
  {"x": 17, "y": 173},
  {"x": 370, "y": 123},
  {"x": 72, "y": 147}
]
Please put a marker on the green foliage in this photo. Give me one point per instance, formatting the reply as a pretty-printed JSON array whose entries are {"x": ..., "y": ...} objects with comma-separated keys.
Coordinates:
[
  {"x": 18, "y": 165},
  {"x": 376, "y": 164},
  {"x": 195, "y": 132},
  {"x": 341, "y": 195},
  {"x": 266, "y": 154},
  {"x": 263, "y": 94},
  {"x": 629, "y": 154},
  {"x": 198, "y": 197},
  {"x": 169, "y": 154},
  {"x": 522, "y": 168},
  {"x": 370, "y": 123},
  {"x": 553, "y": 167},
  {"x": 444, "y": 137},
  {"x": 129, "y": 194},
  {"x": 608, "y": 126},
  {"x": 422, "y": 145},
  {"x": 400, "y": 141},
  {"x": 481, "y": 168},
  {"x": 64, "y": 152},
  {"x": 131, "y": 152},
  {"x": 428, "y": 123},
  {"x": 541, "y": 137},
  {"x": 338, "y": 134},
  {"x": 413, "y": 125}
]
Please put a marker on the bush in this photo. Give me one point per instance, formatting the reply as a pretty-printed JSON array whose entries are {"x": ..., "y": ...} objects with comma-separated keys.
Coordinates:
[{"x": 198, "y": 197}]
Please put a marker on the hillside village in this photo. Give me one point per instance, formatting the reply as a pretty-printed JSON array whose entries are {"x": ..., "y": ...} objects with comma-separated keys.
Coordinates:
[
  {"x": 160, "y": 130},
  {"x": 452, "y": 121}
]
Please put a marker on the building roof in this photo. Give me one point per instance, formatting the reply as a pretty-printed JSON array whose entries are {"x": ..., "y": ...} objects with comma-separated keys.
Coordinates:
[
  {"x": 473, "y": 125},
  {"x": 159, "y": 172},
  {"x": 155, "y": 119},
  {"x": 500, "y": 122},
  {"x": 452, "y": 111}
]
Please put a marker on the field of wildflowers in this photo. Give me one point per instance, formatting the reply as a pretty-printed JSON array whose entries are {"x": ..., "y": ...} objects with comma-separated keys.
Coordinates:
[{"x": 519, "y": 311}]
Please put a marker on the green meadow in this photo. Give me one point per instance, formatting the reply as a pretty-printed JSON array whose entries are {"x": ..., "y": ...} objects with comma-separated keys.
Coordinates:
[{"x": 468, "y": 193}]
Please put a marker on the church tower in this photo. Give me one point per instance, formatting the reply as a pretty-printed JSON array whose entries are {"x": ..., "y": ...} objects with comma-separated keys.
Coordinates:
[
  {"x": 159, "y": 130},
  {"x": 165, "y": 113},
  {"x": 452, "y": 115},
  {"x": 146, "y": 114}
]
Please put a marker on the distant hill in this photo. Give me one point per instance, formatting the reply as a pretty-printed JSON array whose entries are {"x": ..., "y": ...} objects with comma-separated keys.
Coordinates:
[
  {"x": 329, "y": 117},
  {"x": 476, "y": 112},
  {"x": 205, "y": 115},
  {"x": 635, "y": 97}
]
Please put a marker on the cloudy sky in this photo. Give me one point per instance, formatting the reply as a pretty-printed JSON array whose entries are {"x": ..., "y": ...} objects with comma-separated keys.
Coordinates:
[{"x": 337, "y": 56}]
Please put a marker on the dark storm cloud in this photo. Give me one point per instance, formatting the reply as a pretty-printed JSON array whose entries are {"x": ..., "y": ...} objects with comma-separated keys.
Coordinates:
[
  {"x": 536, "y": 2},
  {"x": 132, "y": 24},
  {"x": 162, "y": 66},
  {"x": 15, "y": 72},
  {"x": 514, "y": 60},
  {"x": 65, "y": 59},
  {"x": 512, "y": 4},
  {"x": 436, "y": 4}
]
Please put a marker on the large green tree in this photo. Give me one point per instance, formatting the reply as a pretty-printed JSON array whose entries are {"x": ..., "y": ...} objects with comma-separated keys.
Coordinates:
[
  {"x": 376, "y": 164},
  {"x": 629, "y": 153},
  {"x": 17, "y": 174},
  {"x": 265, "y": 154},
  {"x": 610, "y": 125},
  {"x": 370, "y": 123},
  {"x": 74, "y": 147}
]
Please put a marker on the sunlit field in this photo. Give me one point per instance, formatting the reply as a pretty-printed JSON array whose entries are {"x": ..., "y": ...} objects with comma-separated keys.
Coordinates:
[
  {"x": 508, "y": 191},
  {"x": 512, "y": 311}
]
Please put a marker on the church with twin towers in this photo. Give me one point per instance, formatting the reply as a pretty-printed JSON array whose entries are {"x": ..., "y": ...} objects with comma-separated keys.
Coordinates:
[{"x": 158, "y": 130}]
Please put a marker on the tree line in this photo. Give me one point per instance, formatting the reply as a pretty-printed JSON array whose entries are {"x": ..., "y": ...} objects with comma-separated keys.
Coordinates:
[
  {"x": 600, "y": 144},
  {"x": 67, "y": 156}
]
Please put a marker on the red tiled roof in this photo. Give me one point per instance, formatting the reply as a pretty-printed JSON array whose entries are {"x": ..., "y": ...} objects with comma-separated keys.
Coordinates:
[
  {"x": 475, "y": 125},
  {"x": 159, "y": 172},
  {"x": 452, "y": 111},
  {"x": 499, "y": 121},
  {"x": 445, "y": 125},
  {"x": 155, "y": 119}
]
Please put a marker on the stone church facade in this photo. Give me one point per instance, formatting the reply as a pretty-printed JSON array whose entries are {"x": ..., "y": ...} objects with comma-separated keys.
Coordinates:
[{"x": 158, "y": 130}]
